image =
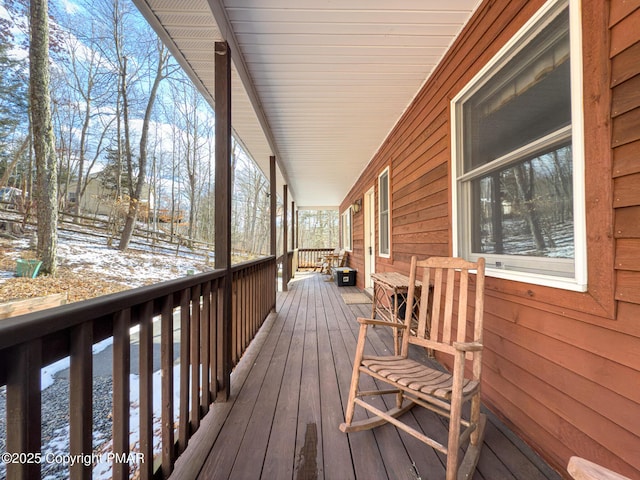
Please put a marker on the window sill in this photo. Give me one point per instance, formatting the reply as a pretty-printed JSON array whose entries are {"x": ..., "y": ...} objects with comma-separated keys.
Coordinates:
[{"x": 537, "y": 279}]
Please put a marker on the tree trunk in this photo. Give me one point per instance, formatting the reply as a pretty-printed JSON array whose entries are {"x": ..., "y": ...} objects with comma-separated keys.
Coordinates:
[
  {"x": 43, "y": 140},
  {"x": 136, "y": 195},
  {"x": 525, "y": 182}
]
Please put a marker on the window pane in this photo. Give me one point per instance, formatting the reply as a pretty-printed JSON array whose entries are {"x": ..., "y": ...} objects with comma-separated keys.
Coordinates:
[
  {"x": 384, "y": 192},
  {"x": 526, "y": 208},
  {"x": 384, "y": 233},
  {"x": 383, "y": 214},
  {"x": 528, "y": 98}
]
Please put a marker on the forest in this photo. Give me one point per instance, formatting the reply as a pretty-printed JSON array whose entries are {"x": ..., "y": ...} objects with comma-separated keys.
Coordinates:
[{"x": 134, "y": 138}]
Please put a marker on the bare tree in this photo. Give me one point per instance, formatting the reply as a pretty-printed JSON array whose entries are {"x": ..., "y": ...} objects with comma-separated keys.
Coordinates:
[
  {"x": 135, "y": 197},
  {"x": 43, "y": 142}
]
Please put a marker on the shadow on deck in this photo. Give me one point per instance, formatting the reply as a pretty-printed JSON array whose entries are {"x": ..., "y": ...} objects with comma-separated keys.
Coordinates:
[{"x": 288, "y": 394}]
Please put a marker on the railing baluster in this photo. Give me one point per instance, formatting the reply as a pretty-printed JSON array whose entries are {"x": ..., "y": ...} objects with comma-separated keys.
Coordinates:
[
  {"x": 235, "y": 284},
  {"x": 195, "y": 358},
  {"x": 81, "y": 398},
  {"x": 166, "y": 360},
  {"x": 146, "y": 390},
  {"x": 213, "y": 335},
  {"x": 24, "y": 409},
  {"x": 121, "y": 370},
  {"x": 241, "y": 318},
  {"x": 204, "y": 350},
  {"x": 185, "y": 350}
]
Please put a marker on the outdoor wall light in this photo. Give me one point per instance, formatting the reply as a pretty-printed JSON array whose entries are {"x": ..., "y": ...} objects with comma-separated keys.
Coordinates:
[{"x": 357, "y": 205}]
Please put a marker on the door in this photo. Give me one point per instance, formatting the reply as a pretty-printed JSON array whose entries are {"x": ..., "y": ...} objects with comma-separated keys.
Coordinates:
[{"x": 369, "y": 237}]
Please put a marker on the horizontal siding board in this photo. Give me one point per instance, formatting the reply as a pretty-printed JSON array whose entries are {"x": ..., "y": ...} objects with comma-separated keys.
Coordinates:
[
  {"x": 628, "y": 254},
  {"x": 620, "y": 9},
  {"x": 527, "y": 419},
  {"x": 422, "y": 180},
  {"x": 570, "y": 334},
  {"x": 403, "y": 255},
  {"x": 418, "y": 156},
  {"x": 588, "y": 393},
  {"x": 429, "y": 210},
  {"x": 626, "y": 96},
  {"x": 560, "y": 302},
  {"x": 627, "y": 322},
  {"x": 569, "y": 422},
  {"x": 626, "y": 159},
  {"x": 437, "y": 185},
  {"x": 418, "y": 228},
  {"x": 625, "y": 33},
  {"x": 628, "y": 286},
  {"x": 626, "y": 191},
  {"x": 579, "y": 415},
  {"x": 605, "y": 374},
  {"x": 626, "y": 128},
  {"x": 625, "y": 65},
  {"x": 416, "y": 239},
  {"x": 627, "y": 223}
]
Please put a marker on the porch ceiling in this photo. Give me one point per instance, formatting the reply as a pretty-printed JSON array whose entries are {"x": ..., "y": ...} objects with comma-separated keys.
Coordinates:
[{"x": 318, "y": 83}]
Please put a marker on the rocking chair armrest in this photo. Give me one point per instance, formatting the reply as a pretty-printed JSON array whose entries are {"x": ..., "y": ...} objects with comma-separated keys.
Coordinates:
[
  {"x": 582, "y": 469},
  {"x": 467, "y": 346},
  {"x": 379, "y": 323}
]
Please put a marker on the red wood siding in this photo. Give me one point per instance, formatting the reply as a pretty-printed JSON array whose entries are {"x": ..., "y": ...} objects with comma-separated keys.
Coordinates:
[
  {"x": 625, "y": 114},
  {"x": 562, "y": 368}
]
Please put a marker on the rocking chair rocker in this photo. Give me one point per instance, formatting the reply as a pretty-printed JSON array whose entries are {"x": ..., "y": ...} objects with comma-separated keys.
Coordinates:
[{"x": 414, "y": 383}]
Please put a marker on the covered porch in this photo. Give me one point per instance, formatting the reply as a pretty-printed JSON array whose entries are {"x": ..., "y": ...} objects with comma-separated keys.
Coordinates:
[
  {"x": 277, "y": 414},
  {"x": 287, "y": 399}
]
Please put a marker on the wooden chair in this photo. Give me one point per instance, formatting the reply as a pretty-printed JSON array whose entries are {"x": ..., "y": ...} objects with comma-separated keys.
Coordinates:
[
  {"x": 414, "y": 383},
  {"x": 339, "y": 261},
  {"x": 323, "y": 261}
]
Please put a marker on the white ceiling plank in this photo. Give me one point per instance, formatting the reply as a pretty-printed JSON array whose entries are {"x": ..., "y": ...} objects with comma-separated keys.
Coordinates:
[{"x": 319, "y": 83}]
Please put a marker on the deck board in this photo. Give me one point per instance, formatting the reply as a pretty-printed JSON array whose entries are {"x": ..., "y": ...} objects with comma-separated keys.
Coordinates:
[{"x": 288, "y": 396}]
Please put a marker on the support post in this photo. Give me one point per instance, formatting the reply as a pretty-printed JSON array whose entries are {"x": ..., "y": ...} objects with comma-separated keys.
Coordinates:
[
  {"x": 273, "y": 204},
  {"x": 223, "y": 212},
  {"x": 285, "y": 241},
  {"x": 294, "y": 226},
  {"x": 274, "y": 232}
]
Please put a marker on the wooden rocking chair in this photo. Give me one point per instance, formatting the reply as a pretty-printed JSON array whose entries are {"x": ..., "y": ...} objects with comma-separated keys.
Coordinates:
[{"x": 414, "y": 383}]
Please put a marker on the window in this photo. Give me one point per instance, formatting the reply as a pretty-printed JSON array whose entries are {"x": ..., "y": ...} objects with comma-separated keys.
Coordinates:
[
  {"x": 384, "y": 217},
  {"x": 346, "y": 229},
  {"x": 518, "y": 162}
]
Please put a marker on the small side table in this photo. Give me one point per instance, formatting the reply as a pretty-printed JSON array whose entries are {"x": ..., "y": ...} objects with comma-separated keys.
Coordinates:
[{"x": 390, "y": 298}]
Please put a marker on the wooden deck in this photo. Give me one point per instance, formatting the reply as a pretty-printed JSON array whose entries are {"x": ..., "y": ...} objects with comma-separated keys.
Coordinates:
[{"x": 288, "y": 394}]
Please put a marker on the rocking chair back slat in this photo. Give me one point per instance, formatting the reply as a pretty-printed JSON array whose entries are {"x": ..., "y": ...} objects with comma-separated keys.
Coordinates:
[
  {"x": 462, "y": 306},
  {"x": 437, "y": 298}
]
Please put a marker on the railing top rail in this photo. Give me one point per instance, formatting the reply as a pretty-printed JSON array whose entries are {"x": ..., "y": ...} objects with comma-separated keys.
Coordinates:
[
  {"x": 23, "y": 328},
  {"x": 250, "y": 263}
]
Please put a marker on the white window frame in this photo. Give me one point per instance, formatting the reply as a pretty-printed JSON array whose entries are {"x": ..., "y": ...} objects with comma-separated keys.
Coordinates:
[
  {"x": 460, "y": 220},
  {"x": 347, "y": 229},
  {"x": 386, "y": 241}
]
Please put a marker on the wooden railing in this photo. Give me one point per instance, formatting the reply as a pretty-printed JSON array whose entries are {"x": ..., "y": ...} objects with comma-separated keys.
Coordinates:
[
  {"x": 308, "y": 257},
  {"x": 29, "y": 342}
]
